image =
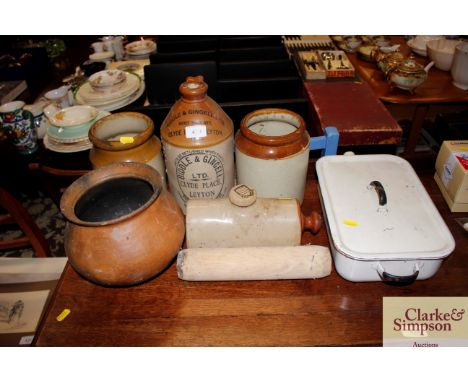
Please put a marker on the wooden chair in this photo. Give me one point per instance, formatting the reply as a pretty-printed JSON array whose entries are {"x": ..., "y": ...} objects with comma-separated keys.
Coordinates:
[
  {"x": 53, "y": 181},
  {"x": 17, "y": 214}
]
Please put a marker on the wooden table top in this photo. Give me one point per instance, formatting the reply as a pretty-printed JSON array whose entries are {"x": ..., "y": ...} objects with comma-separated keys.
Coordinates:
[
  {"x": 438, "y": 87},
  {"x": 169, "y": 312}
]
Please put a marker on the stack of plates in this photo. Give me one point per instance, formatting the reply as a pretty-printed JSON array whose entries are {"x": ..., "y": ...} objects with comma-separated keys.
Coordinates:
[
  {"x": 110, "y": 90},
  {"x": 68, "y": 131},
  {"x": 140, "y": 49}
]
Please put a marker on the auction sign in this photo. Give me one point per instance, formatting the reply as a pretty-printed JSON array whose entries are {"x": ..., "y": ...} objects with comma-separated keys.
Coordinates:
[{"x": 425, "y": 321}]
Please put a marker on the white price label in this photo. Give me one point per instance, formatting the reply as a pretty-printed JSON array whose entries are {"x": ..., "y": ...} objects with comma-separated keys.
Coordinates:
[{"x": 195, "y": 131}]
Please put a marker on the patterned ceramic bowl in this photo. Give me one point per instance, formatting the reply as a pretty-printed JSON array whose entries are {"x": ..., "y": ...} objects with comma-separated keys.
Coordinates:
[{"x": 107, "y": 78}]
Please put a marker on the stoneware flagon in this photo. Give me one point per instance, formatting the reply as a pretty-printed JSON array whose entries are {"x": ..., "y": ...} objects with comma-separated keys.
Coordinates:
[
  {"x": 198, "y": 145},
  {"x": 126, "y": 137},
  {"x": 123, "y": 226}
]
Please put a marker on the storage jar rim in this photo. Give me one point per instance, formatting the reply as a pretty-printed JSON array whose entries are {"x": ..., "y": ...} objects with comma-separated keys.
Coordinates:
[
  {"x": 117, "y": 145},
  {"x": 104, "y": 174}
]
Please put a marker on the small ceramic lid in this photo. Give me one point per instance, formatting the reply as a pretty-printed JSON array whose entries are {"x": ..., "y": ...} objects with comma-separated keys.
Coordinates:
[
  {"x": 409, "y": 65},
  {"x": 242, "y": 195},
  {"x": 393, "y": 57}
]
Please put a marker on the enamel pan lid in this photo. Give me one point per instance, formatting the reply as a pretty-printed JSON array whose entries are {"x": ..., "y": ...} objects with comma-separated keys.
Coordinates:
[{"x": 378, "y": 209}]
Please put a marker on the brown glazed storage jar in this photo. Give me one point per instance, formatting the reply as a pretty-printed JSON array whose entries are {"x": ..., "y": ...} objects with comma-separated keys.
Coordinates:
[
  {"x": 126, "y": 137},
  {"x": 123, "y": 226},
  {"x": 198, "y": 144},
  {"x": 272, "y": 153}
]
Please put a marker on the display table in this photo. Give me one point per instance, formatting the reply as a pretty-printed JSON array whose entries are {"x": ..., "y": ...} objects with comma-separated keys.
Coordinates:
[
  {"x": 166, "y": 311},
  {"x": 437, "y": 89}
]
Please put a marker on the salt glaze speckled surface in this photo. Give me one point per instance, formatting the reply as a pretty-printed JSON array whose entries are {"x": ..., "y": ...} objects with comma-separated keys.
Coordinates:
[
  {"x": 198, "y": 144},
  {"x": 123, "y": 226}
]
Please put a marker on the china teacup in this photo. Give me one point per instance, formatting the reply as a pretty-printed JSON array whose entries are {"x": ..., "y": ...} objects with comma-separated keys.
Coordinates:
[{"x": 59, "y": 96}]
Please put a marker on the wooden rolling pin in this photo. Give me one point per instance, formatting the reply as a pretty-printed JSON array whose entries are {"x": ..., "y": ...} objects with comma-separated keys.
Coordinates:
[{"x": 254, "y": 263}]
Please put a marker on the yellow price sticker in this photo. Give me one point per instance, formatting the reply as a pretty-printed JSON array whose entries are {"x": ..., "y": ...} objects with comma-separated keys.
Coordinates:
[
  {"x": 126, "y": 140},
  {"x": 63, "y": 315},
  {"x": 350, "y": 222}
]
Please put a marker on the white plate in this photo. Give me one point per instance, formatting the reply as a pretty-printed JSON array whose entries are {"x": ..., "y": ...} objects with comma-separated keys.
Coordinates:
[
  {"x": 121, "y": 103},
  {"x": 91, "y": 96},
  {"x": 140, "y": 46},
  {"x": 67, "y": 147},
  {"x": 53, "y": 140},
  {"x": 86, "y": 95}
]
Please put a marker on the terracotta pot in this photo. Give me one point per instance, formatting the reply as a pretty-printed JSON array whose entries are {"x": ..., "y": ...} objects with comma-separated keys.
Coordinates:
[
  {"x": 123, "y": 226},
  {"x": 198, "y": 145},
  {"x": 272, "y": 153},
  {"x": 126, "y": 137}
]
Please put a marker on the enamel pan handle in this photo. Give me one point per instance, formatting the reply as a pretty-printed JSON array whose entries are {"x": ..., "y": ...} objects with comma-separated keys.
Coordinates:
[
  {"x": 379, "y": 188},
  {"x": 402, "y": 280}
]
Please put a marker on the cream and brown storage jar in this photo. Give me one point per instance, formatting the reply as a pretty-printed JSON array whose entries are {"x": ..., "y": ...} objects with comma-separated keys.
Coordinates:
[
  {"x": 272, "y": 153},
  {"x": 198, "y": 145},
  {"x": 126, "y": 137}
]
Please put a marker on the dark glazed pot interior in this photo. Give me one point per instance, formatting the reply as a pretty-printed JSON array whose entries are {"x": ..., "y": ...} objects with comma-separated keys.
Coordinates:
[{"x": 113, "y": 199}]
